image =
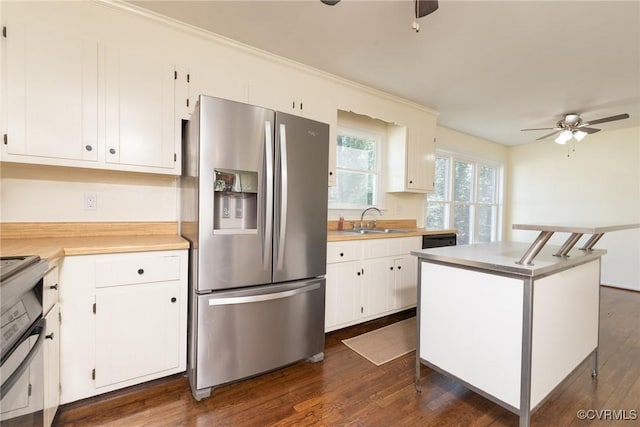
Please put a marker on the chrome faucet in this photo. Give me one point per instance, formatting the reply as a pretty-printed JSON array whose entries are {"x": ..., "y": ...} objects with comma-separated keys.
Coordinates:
[{"x": 364, "y": 212}]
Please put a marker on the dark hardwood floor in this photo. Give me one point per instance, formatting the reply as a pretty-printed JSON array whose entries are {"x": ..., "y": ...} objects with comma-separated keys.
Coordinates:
[{"x": 346, "y": 389}]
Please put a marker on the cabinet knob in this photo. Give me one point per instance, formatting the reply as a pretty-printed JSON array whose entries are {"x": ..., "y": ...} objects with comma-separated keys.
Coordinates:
[
  {"x": 341, "y": 253},
  {"x": 55, "y": 287},
  {"x": 399, "y": 267},
  {"x": 390, "y": 268},
  {"x": 410, "y": 182},
  {"x": 49, "y": 337},
  {"x": 88, "y": 147},
  {"x": 173, "y": 299},
  {"x": 358, "y": 273},
  {"x": 140, "y": 271},
  {"x": 112, "y": 150},
  {"x": 330, "y": 173}
]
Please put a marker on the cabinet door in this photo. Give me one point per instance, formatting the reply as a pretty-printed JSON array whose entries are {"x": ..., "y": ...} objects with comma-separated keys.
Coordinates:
[
  {"x": 141, "y": 119},
  {"x": 421, "y": 156},
  {"x": 406, "y": 281},
  {"x": 342, "y": 300},
  {"x": 137, "y": 331},
  {"x": 51, "y": 87},
  {"x": 377, "y": 288},
  {"x": 52, "y": 365}
]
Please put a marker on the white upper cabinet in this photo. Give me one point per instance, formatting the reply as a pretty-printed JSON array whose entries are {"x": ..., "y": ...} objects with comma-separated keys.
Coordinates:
[
  {"x": 294, "y": 93},
  {"x": 411, "y": 155},
  {"x": 86, "y": 87},
  {"x": 141, "y": 122},
  {"x": 52, "y": 88},
  {"x": 97, "y": 85}
]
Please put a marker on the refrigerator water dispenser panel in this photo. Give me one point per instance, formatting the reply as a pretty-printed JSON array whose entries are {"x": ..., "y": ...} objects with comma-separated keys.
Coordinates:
[{"x": 235, "y": 201}]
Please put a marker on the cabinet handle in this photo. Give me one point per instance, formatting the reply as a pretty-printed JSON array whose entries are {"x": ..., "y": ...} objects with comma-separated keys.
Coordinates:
[
  {"x": 88, "y": 147},
  {"x": 49, "y": 337},
  {"x": 173, "y": 299},
  {"x": 55, "y": 287},
  {"x": 140, "y": 271},
  {"x": 112, "y": 150}
]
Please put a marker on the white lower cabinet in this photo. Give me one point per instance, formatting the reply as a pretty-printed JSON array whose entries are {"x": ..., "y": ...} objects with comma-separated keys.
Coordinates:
[
  {"x": 51, "y": 345},
  {"x": 367, "y": 279},
  {"x": 52, "y": 365},
  {"x": 125, "y": 320}
]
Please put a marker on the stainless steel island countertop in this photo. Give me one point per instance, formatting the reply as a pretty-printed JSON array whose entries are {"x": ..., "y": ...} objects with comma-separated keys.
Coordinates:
[{"x": 503, "y": 257}]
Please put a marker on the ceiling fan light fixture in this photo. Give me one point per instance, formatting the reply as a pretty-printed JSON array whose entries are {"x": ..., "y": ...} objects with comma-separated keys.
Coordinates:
[
  {"x": 578, "y": 135},
  {"x": 564, "y": 137}
]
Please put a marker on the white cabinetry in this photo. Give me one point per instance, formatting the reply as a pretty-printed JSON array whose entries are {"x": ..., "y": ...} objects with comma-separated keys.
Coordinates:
[
  {"x": 411, "y": 156},
  {"x": 51, "y": 310},
  {"x": 51, "y": 76},
  {"x": 125, "y": 320},
  {"x": 141, "y": 121},
  {"x": 78, "y": 96},
  {"x": 368, "y": 279}
]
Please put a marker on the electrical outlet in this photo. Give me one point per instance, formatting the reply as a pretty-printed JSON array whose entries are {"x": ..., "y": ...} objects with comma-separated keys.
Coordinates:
[{"x": 90, "y": 201}]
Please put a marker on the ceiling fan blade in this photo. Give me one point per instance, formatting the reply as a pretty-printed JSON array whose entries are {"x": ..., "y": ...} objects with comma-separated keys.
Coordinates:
[
  {"x": 588, "y": 130},
  {"x": 538, "y": 129},
  {"x": 548, "y": 135},
  {"x": 425, "y": 7},
  {"x": 606, "y": 119}
]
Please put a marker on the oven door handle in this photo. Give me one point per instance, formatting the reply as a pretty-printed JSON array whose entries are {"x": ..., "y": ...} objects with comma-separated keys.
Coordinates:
[{"x": 39, "y": 328}]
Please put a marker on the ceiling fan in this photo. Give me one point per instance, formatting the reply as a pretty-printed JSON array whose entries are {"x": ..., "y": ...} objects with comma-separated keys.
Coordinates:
[
  {"x": 422, "y": 8},
  {"x": 572, "y": 126}
]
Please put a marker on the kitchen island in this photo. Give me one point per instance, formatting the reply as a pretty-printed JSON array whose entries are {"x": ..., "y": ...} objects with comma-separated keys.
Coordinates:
[{"x": 511, "y": 320}]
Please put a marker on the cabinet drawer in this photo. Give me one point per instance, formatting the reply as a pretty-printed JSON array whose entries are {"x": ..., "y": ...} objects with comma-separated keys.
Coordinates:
[
  {"x": 131, "y": 269},
  {"x": 404, "y": 245},
  {"x": 343, "y": 251}
]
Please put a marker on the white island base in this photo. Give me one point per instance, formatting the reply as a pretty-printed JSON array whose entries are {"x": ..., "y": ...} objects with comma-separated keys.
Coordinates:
[{"x": 508, "y": 331}]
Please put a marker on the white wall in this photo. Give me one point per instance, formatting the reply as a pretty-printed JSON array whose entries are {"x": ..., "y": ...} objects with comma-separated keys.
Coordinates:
[
  {"x": 598, "y": 183},
  {"x": 32, "y": 193}
]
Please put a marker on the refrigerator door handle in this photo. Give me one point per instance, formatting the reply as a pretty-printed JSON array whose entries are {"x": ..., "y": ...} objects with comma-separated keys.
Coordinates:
[
  {"x": 283, "y": 194},
  {"x": 268, "y": 210},
  {"x": 264, "y": 297}
]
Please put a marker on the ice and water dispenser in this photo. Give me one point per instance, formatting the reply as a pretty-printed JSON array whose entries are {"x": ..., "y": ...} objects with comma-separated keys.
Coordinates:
[{"x": 235, "y": 201}]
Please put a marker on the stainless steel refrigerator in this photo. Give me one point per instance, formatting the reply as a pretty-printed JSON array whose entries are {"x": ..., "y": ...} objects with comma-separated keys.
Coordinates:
[{"x": 254, "y": 207}]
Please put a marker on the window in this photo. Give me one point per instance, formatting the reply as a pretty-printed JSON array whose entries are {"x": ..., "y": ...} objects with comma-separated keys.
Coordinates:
[
  {"x": 357, "y": 169},
  {"x": 467, "y": 197}
]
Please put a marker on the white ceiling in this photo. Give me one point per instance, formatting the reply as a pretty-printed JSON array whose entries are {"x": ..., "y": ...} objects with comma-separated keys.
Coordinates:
[{"x": 490, "y": 68}]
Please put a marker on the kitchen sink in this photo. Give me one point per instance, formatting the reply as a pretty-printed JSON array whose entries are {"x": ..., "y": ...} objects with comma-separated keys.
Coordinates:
[{"x": 379, "y": 231}]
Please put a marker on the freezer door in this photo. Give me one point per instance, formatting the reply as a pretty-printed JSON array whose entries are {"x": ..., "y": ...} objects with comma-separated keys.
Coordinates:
[
  {"x": 246, "y": 332},
  {"x": 235, "y": 195},
  {"x": 300, "y": 210}
]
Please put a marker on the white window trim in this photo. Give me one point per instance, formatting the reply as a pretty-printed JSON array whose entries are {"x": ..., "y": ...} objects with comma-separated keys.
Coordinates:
[
  {"x": 449, "y": 202},
  {"x": 381, "y": 138}
]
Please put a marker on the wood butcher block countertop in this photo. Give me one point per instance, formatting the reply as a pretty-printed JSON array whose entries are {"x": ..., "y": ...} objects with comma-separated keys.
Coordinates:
[
  {"x": 408, "y": 227},
  {"x": 55, "y": 240}
]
